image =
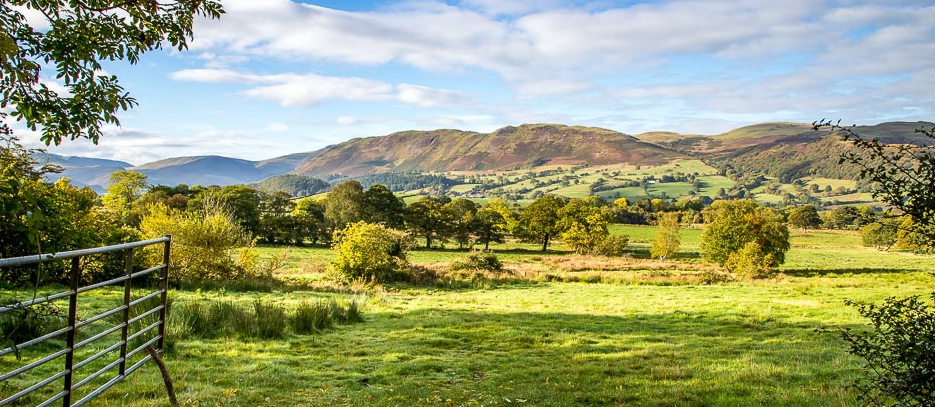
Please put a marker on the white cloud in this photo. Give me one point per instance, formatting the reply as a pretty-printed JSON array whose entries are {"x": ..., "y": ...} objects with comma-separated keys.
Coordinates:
[{"x": 306, "y": 90}]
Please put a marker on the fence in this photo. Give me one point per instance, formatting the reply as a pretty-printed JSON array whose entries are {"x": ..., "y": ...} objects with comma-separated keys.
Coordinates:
[{"x": 69, "y": 376}]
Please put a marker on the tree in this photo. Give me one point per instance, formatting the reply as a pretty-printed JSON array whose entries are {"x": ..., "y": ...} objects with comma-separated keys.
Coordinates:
[
  {"x": 463, "y": 214},
  {"x": 900, "y": 350},
  {"x": 805, "y": 216},
  {"x": 583, "y": 224},
  {"x": 539, "y": 222},
  {"x": 124, "y": 189},
  {"x": 383, "y": 206},
  {"x": 667, "y": 241},
  {"x": 489, "y": 226},
  {"x": 344, "y": 204},
  {"x": 310, "y": 220},
  {"x": 71, "y": 39},
  {"x": 902, "y": 175},
  {"x": 881, "y": 235},
  {"x": 733, "y": 224},
  {"x": 428, "y": 218},
  {"x": 276, "y": 221},
  {"x": 370, "y": 251}
]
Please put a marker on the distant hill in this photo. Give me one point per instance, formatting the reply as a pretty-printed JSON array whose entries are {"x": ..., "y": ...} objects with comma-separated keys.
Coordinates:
[
  {"x": 295, "y": 185},
  {"x": 201, "y": 170},
  {"x": 788, "y": 151},
  {"x": 83, "y": 171},
  {"x": 418, "y": 159},
  {"x": 530, "y": 145}
]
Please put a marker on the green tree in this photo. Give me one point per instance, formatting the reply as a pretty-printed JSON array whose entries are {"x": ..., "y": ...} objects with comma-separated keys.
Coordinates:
[
  {"x": 71, "y": 38},
  {"x": 539, "y": 222},
  {"x": 667, "y": 241},
  {"x": 277, "y": 225},
  {"x": 881, "y": 235},
  {"x": 583, "y": 224},
  {"x": 310, "y": 220},
  {"x": 733, "y": 224},
  {"x": 900, "y": 349},
  {"x": 124, "y": 189},
  {"x": 910, "y": 236},
  {"x": 805, "y": 216},
  {"x": 383, "y": 206},
  {"x": 428, "y": 218},
  {"x": 489, "y": 227},
  {"x": 463, "y": 213},
  {"x": 370, "y": 251},
  {"x": 344, "y": 204}
]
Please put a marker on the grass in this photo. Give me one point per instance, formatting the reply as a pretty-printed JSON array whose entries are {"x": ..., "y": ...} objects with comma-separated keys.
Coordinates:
[{"x": 638, "y": 333}]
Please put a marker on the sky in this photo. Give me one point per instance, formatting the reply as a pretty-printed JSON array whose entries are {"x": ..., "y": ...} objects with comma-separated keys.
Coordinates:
[{"x": 275, "y": 77}]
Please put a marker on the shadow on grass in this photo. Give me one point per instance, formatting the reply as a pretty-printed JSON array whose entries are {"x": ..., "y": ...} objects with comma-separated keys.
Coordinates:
[
  {"x": 475, "y": 357},
  {"x": 843, "y": 272}
]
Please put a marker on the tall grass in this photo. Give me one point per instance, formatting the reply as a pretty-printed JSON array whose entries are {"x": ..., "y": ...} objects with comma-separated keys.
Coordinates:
[{"x": 264, "y": 320}]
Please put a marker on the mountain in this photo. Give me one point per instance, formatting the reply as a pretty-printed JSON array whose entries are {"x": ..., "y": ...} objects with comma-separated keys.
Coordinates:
[
  {"x": 785, "y": 151},
  {"x": 788, "y": 150},
  {"x": 83, "y": 171},
  {"x": 202, "y": 170},
  {"x": 529, "y": 145}
]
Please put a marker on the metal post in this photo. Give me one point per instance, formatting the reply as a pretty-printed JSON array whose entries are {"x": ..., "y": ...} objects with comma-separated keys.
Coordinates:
[
  {"x": 125, "y": 332},
  {"x": 164, "y": 286},
  {"x": 70, "y": 336}
]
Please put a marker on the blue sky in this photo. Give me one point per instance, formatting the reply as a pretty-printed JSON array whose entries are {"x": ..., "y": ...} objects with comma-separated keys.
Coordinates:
[{"x": 274, "y": 77}]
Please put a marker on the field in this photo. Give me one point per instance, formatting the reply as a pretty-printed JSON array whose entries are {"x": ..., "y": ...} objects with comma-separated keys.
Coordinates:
[{"x": 565, "y": 330}]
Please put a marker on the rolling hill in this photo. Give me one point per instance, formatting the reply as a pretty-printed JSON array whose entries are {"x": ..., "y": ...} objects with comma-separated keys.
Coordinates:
[
  {"x": 783, "y": 151},
  {"x": 530, "y": 145}
]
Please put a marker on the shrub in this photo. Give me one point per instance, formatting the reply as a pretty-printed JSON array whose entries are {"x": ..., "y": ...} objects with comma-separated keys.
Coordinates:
[
  {"x": 204, "y": 243},
  {"x": 478, "y": 262},
  {"x": 899, "y": 352},
  {"x": 28, "y": 323},
  {"x": 612, "y": 246},
  {"x": 371, "y": 251}
]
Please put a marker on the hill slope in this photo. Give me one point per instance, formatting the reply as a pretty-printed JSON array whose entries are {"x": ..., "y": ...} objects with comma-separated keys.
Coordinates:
[{"x": 528, "y": 145}]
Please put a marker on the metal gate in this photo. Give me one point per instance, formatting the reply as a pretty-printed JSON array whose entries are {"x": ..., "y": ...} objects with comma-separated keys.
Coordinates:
[{"x": 71, "y": 377}]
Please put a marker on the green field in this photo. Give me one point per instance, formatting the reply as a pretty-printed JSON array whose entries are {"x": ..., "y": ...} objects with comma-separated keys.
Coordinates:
[{"x": 565, "y": 330}]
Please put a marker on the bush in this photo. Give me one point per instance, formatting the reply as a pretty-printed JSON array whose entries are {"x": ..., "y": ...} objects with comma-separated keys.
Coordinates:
[
  {"x": 370, "y": 251},
  {"x": 612, "y": 246},
  {"x": 24, "y": 324},
  {"x": 313, "y": 317},
  {"x": 478, "y": 262},
  {"x": 899, "y": 352},
  {"x": 204, "y": 244}
]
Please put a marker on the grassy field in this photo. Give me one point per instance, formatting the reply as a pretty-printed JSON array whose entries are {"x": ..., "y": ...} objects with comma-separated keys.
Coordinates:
[{"x": 576, "y": 331}]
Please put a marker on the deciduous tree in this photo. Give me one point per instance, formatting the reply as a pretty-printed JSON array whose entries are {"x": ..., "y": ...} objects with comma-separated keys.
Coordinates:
[
  {"x": 539, "y": 222},
  {"x": 667, "y": 241},
  {"x": 733, "y": 224},
  {"x": 68, "y": 40}
]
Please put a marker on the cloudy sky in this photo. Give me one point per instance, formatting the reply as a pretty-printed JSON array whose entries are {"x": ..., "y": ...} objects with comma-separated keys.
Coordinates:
[{"x": 274, "y": 77}]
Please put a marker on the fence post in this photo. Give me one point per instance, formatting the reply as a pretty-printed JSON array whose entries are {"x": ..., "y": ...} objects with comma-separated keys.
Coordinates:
[
  {"x": 125, "y": 332},
  {"x": 74, "y": 277},
  {"x": 164, "y": 286}
]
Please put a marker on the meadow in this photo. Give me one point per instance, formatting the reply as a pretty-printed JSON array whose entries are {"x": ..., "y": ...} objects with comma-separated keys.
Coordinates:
[{"x": 559, "y": 330}]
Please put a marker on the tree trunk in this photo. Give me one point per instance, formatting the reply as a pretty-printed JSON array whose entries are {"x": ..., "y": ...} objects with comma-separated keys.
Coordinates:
[{"x": 545, "y": 243}]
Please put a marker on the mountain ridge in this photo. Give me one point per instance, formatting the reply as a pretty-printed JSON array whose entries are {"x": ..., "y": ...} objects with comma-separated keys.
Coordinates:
[{"x": 510, "y": 147}]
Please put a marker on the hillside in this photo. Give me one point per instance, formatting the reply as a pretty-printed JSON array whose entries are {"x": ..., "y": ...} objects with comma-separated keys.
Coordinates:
[
  {"x": 507, "y": 148},
  {"x": 83, "y": 171},
  {"x": 201, "y": 170},
  {"x": 790, "y": 151}
]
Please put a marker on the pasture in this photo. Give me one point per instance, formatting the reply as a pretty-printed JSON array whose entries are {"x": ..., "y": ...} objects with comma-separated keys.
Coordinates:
[{"x": 561, "y": 330}]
